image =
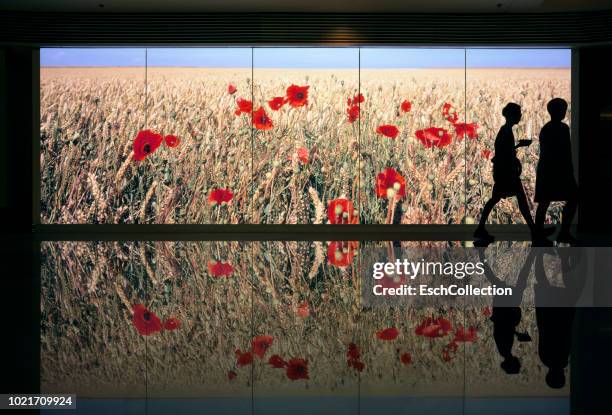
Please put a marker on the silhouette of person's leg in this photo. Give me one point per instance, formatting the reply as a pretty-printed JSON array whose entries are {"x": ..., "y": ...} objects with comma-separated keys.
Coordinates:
[
  {"x": 486, "y": 211},
  {"x": 541, "y": 214},
  {"x": 524, "y": 208},
  {"x": 568, "y": 214}
]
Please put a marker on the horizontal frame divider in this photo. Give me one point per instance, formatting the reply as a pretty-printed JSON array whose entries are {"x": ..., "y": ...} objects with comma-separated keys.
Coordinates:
[{"x": 137, "y": 232}]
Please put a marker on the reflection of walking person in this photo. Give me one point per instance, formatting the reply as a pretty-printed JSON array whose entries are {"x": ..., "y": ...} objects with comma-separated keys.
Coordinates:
[
  {"x": 507, "y": 174},
  {"x": 555, "y": 174}
]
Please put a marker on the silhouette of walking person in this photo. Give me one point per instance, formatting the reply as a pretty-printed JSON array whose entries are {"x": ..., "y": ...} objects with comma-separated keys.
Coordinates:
[
  {"x": 555, "y": 172},
  {"x": 507, "y": 175},
  {"x": 506, "y": 315},
  {"x": 555, "y": 310}
]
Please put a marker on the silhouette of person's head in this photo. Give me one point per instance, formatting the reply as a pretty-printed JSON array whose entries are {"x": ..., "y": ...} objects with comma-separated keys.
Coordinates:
[
  {"x": 512, "y": 113},
  {"x": 557, "y": 107}
]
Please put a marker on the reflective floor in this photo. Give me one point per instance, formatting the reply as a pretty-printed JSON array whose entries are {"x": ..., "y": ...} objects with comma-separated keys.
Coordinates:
[{"x": 270, "y": 327}]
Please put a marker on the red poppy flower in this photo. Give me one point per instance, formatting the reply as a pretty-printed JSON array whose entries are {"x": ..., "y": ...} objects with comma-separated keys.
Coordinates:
[
  {"x": 261, "y": 344},
  {"x": 446, "y": 356},
  {"x": 390, "y": 131},
  {"x": 392, "y": 282},
  {"x": 406, "y": 106},
  {"x": 297, "y": 369},
  {"x": 406, "y": 358},
  {"x": 303, "y": 310},
  {"x": 433, "y": 327},
  {"x": 486, "y": 153},
  {"x": 303, "y": 155},
  {"x": 297, "y": 96},
  {"x": 340, "y": 254},
  {"x": 220, "y": 269},
  {"x": 243, "y": 359},
  {"x": 276, "y": 103},
  {"x": 433, "y": 137},
  {"x": 172, "y": 140},
  {"x": 353, "y": 352},
  {"x": 341, "y": 211},
  {"x": 486, "y": 311},
  {"x": 145, "y": 321},
  {"x": 390, "y": 333},
  {"x": 390, "y": 184},
  {"x": 353, "y": 113},
  {"x": 449, "y": 113},
  {"x": 220, "y": 196},
  {"x": 357, "y": 99},
  {"x": 172, "y": 323},
  {"x": 462, "y": 129},
  {"x": 261, "y": 120},
  {"x": 448, "y": 350},
  {"x": 231, "y": 89},
  {"x": 231, "y": 375},
  {"x": 277, "y": 362},
  {"x": 244, "y": 106},
  {"x": 145, "y": 143},
  {"x": 463, "y": 335},
  {"x": 358, "y": 365}
]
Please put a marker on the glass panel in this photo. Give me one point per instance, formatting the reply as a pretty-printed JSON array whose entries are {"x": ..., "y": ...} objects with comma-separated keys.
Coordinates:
[
  {"x": 496, "y": 77},
  {"x": 305, "y": 147},
  {"x": 204, "y": 175},
  {"x": 412, "y": 122},
  {"x": 94, "y": 330},
  {"x": 306, "y": 306},
  {"x": 91, "y": 110}
]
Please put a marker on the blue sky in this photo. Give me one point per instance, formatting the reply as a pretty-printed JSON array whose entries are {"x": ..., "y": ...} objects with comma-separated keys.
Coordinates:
[{"x": 307, "y": 57}]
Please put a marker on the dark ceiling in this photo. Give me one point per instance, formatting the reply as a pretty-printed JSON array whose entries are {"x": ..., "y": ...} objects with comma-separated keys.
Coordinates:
[{"x": 344, "y": 6}]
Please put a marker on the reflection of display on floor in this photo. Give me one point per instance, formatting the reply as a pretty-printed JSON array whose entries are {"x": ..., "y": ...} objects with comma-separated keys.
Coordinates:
[
  {"x": 215, "y": 301},
  {"x": 415, "y": 122}
]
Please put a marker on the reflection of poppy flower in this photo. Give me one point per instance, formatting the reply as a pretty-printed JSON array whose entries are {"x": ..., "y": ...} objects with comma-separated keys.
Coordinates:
[
  {"x": 276, "y": 103},
  {"x": 231, "y": 89},
  {"x": 486, "y": 153},
  {"x": 462, "y": 129},
  {"x": 341, "y": 211},
  {"x": 244, "y": 106},
  {"x": 297, "y": 96},
  {"x": 390, "y": 131},
  {"x": 261, "y": 120},
  {"x": 406, "y": 106},
  {"x": 220, "y": 196},
  {"x": 261, "y": 344},
  {"x": 433, "y": 327},
  {"x": 463, "y": 335},
  {"x": 340, "y": 254},
  {"x": 172, "y": 140},
  {"x": 353, "y": 113},
  {"x": 390, "y": 333},
  {"x": 433, "y": 137},
  {"x": 297, "y": 369},
  {"x": 231, "y": 375},
  {"x": 145, "y": 321},
  {"x": 449, "y": 113},
  {"x": 406, "y": 358},
  {"x": 145, "y": 143},
  {"x": 220, "y": 269},
  {"x": 172, "y": 323},
  {"x": 353, "y": 352},
  {"x": 276, "y": 361},
  {"x": 390, "y": 184},
  {"x": 303, "y": 310},
  {"x": 243, "y": 359}
]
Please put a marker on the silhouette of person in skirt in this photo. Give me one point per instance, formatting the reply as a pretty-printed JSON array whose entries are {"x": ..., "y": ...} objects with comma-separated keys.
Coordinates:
[
  {"x": 507, "y": 175},
  {"x": 555, "y": 172}
]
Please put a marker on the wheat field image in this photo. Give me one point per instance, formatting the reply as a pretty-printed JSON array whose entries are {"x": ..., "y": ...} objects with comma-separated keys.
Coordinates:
[{"x": 283, "y": 145}]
